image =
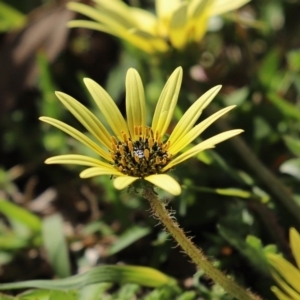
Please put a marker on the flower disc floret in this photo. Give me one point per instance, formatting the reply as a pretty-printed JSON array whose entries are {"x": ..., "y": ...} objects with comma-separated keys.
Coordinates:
[{"x": 142, "y": 157}]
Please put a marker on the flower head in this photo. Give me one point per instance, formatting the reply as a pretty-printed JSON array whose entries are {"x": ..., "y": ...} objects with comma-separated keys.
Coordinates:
[
  {"x": 129, "y": 149},
  {"x": 287, "y": 275},
  {"x": 175, "y": 24}
]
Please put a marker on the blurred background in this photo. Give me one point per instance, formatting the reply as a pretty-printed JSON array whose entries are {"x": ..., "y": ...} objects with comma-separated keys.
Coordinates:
[{"x": 229, "y": 205}]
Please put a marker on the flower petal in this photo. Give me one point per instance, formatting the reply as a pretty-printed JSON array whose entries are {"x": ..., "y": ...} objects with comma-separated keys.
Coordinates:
[
  {"x": 187, "y": 138},
  {"x": 75, "y": 159},
  {"x": 190, "y": 117},
  {"x": 178, "y": 27},
  {"x": 295, "y": 245},
  {"x": 86, "y": 118},
  {"x": 135, "y": 102},
  {"x": 108, "y": 108},
  {"x": 167, "y": 103},
  {"x": 165, "y": 182},
  {"x": 98, "y": 171},
  {"x": 289, "y": 272},
  {"x": 222, "y": 6},
  {"x": 285, "y": 287},
  {"x": 110, "y": 22},
  {"x": 279, "y": 294},
  {"x": 165, "y": 8},
  {"x": 77, "y": 135},
  {"x": 207, "y": 144},
  {"x": 122, "y": 182}
]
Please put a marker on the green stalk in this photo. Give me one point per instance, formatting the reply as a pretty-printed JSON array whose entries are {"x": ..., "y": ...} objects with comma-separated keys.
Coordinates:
[{"x": 196, "y": 254}]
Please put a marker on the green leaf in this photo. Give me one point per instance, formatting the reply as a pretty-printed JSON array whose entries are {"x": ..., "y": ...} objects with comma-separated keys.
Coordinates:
[
  {"x": 287, "y": 109},
  {"x": 291, "y": 167},
  {"x": 118, "y": 274},
  {"x": 293, "y": 144},
  {"x": 127, "y": 238},
  {"x": 56, "y": 246},
  {"x": 20, "y": 214},
  {"x": 234, "y": 193},
  {"x": 10, "y": 18}
]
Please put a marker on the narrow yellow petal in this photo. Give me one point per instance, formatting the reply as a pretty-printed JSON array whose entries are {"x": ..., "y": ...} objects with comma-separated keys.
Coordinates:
[
  {"x": 167, "y": 103},
  {"x": 123, "y": 181},
  {"x": 98, "y": 171},
  {"x": 222, "y": 6},
  {"x": 74, "y": 159},
  {"x": 108, "y": 108},
  {"x": 165, "y": 182},
  {"x": 285, "y": 287},
  {"x": 191, "y": 116},
  {"x": 77, "y": 135},
  {"x": 86, "y": 118},
  {"x": 290, "y": 273},
  {"x": 295, "y": 245},
  {"x": 198, "y": 15},
  {"x": 207, "y": 144},
  {"x": 135, "y": 102},
  {"x": 108, "y": 22},
  {"x": 178, "y": 34},
  {"x": 187, "y": 138},
  {"x": 146, "y": 20},
  {"x": 165, "y": 8},
  {"x": 279, "y": 294}
]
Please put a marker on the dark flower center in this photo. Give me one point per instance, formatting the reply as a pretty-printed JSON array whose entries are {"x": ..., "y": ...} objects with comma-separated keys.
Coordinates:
[{"x": 141, "y": 157}]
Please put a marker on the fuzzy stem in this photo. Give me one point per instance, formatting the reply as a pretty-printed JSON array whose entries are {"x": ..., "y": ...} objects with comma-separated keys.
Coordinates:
[{"x": 192, "y": 251}]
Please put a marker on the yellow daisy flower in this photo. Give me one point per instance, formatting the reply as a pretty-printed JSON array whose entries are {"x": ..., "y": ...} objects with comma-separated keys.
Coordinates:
[
  {"x": 176, "y": 23},
  {"x": 134, "y": 150},
  {"x": 289, "y": 276}
]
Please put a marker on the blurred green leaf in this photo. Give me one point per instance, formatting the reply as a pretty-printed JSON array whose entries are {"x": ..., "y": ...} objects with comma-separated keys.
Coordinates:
[
  {"x": 130, "y": 236},
  {"x": 119, "y": 274},
  {"x": 56, "y": 246},
  {"x": 293, "y": 144},
  {"x": 287, "y": 109},
  {"x": 238, "y": 97},
  {"x": 10, "y": 18},
  {"x": 19, "y": 214},
  {"x": 293, "y": 58},
  {"x": 234, "y": 193},
  {"x": 291, "y": 167}
]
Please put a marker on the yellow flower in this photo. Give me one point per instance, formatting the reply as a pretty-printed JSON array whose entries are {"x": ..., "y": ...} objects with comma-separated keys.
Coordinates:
[
  {"x": 175, "y": 24},
  {"x": 132, "y": 150},
  {"x": 289, "y": 276}
]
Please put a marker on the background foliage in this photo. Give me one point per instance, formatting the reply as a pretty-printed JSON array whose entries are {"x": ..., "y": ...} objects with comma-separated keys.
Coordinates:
[{"x": 54, "y": 225}]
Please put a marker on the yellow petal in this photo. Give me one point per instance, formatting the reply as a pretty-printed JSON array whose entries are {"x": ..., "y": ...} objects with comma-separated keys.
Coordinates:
[
  {"x": 108, "y": 108},
  {"x": 146, "y": 21},
  {"x": 207, "y": 144},
  {"x": 198, "y": 14},
  {"x": 165, "y": 8},
  {"x": 178, "y": 27},
  {"x": 222, "y": 6},
  {"x": 98, "y": 171},
  {"x": 135, "y": 102},
  {"x": 77, "y": 135},
  {"x": 123, "y": 181},
  {"x": 107, "y": 21},
  {"x": 279, "y": 294},
  {"x": 165, "y": 182},
  {"x": 167, "y": 103},
  {"x": 285, "y": 287},
  {"x": 295, "y": 245},
  {"x": 86, "y": 118},
  {"x": 75, "y": 159},
  {"x": 187, "y": 138},
  {"x": 289, "y": 272},
  {"x": 191, "y": 116}
]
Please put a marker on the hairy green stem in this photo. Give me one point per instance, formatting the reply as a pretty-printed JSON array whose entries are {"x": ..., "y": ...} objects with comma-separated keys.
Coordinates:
[{"x": 192, "y": 251}]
